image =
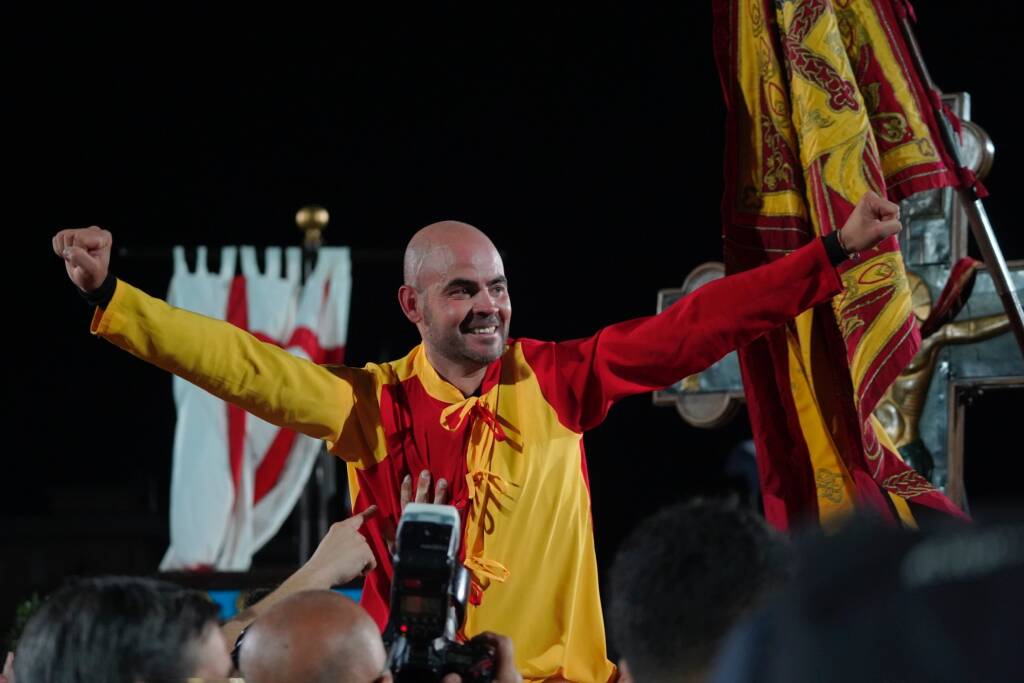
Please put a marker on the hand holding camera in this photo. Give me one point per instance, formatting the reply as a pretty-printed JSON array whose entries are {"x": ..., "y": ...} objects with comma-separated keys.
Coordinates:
[
  {"x": 504, "y": 659},
  {"x": 429, "y": 592}
]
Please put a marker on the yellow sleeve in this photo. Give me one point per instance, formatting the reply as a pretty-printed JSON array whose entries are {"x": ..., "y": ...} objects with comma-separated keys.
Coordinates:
[{"x": 230, "y": 363}]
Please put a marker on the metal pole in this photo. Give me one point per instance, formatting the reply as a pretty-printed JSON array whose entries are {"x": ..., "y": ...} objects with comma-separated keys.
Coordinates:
[
  {"x": 996, "y": 264},
  {"x": 312, "y": 220},
  {"x": 981, "y": 227}
]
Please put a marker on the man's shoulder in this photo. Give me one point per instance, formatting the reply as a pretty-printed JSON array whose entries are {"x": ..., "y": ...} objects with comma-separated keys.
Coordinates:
[
  {"x": 393, "y": 371},
  {"x": 526, "y": 343},
  {"x": 535, "y": 353},
  {"x": 525, "y": 346}
]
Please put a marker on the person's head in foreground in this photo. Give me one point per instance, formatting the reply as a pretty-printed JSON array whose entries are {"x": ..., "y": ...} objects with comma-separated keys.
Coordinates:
[
  {"x": 310, "y": 637},
  {"x": 682, "y": 579},
  {"x": 118, "y": 629},
  {"x": 319, "y": 636}
]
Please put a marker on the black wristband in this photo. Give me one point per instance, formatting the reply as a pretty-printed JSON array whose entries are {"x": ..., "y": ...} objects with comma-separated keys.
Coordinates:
[
  {"x": 834, "y": 249},
  {"x": 102, "y": 295}
]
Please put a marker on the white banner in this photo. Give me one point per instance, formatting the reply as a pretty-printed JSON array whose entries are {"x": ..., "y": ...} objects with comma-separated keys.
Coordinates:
[{"x": 236, "y": 478}]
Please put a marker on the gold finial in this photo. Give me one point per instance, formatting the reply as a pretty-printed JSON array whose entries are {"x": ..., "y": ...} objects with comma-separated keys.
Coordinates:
[{"x": 312, "y": 220}]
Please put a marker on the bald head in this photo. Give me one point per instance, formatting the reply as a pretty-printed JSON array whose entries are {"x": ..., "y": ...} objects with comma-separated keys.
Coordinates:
[
  {"x": 439, "y": 246},
  {"x": 456, "y": 294},
  {"x": 311, "y": 637}
]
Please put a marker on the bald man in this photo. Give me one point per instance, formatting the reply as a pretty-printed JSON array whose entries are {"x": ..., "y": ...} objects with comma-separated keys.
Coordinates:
[
  {"x": 313, "y": 637},
  {"x": 500, "y": 421},
  {"x": 319, "y": 636}
]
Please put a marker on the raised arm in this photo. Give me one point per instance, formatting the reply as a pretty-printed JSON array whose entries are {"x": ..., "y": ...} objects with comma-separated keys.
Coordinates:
[
  {"x": 261, "y": 378},
  {"x": 584, "y": 377}
]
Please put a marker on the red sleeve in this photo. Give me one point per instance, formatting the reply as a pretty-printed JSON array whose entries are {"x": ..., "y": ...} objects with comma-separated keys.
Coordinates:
[{"x": 582, "y": 378}]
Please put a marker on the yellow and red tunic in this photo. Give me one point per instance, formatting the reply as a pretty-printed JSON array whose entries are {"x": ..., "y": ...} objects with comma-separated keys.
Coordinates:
[{"x": 513, "y": 453}]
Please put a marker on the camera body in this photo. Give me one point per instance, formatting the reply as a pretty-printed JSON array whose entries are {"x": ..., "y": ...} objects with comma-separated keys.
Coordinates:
[{"x": 429, "y": 590}]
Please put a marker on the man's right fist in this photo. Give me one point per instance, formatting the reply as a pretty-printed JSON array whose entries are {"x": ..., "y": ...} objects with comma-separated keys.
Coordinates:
[{"x": 86, "y": 254}]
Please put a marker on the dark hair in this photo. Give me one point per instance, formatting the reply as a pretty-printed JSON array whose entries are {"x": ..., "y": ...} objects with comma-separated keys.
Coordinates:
[
  {"x": 683, "y": 578},
  {"x": 114, "y": 629}
]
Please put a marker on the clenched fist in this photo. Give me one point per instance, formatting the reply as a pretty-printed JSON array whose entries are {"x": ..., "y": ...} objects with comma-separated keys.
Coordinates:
[{"x": 86, "y": 254}]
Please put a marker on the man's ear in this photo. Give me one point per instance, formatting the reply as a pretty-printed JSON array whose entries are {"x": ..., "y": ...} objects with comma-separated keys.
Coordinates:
[{"x": 409, "y": 300}]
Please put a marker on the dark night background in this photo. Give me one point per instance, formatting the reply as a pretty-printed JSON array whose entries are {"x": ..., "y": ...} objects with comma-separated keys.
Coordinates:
[{"x": 586, "y": 141}]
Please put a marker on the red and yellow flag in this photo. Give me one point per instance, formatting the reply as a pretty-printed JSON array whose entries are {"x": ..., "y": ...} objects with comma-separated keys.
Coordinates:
[{"x": 823, "y": 105}]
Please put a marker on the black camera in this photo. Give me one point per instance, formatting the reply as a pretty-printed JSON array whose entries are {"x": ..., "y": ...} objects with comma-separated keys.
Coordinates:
[{"x": 428, "y": 602}]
